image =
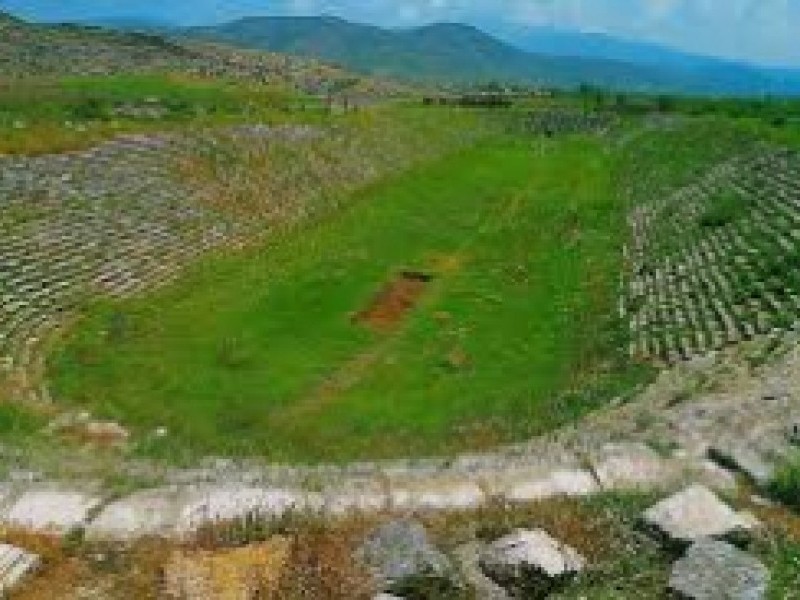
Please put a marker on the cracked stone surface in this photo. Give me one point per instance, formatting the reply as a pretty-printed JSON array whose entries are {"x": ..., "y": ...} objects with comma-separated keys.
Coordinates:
[
  {"x": 697, "y": 513},
  {"x": 57, "y": 511},
  {"x": 530, "y": 563},
  {"x": 399, "y": 552},
  {"x": 467, "y": 557},
  {"x": 713, "y": 570}
]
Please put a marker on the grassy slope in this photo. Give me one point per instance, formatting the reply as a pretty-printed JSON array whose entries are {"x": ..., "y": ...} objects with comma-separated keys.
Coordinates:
[
  {"x": 257, "y": 353},
  {"x": 57, "y": 114}
]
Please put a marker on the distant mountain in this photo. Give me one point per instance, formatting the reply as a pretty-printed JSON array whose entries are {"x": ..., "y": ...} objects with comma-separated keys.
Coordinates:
[
  {"x": 132, "y": 24},
  {"x": 460, "y": 53},
  {"x": 722, "y": 73},
  {"x": 557, "y": 42}
]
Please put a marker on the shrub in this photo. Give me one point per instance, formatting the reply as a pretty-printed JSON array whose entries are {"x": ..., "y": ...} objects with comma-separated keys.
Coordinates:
[
  {"x": 231, "y": 354},
  {"x": 723, "y": 210},
  {"x": 785, "y": 484}
]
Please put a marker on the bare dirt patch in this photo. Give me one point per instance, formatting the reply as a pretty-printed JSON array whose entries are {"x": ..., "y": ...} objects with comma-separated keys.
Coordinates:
[{"x": 394, "y": 301}]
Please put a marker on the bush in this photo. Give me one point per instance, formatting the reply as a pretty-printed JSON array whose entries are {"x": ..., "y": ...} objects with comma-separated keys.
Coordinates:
[
  {"x": 723, "y": 210},
  {"x": 785, "y": 484},
  {"x": 231, "y": 354},
  {"x": 89, "y": 110}
]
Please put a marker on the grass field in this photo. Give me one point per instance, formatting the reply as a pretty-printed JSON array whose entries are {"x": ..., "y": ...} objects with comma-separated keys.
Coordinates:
[{"x": 262, "y": 352}]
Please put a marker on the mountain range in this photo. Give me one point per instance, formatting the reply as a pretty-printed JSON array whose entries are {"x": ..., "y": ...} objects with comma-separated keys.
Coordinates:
[{"x": 461, "y": 53}]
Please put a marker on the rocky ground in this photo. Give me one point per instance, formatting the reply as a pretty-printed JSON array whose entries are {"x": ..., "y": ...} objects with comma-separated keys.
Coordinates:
[{"x": 722, "y": 422}]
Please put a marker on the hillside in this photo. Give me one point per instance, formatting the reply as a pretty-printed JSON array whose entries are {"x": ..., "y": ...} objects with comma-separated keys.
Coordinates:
[
  {"x": 451, "y": 52},
  {"x": 460, "y": 53},
  {"x": 33, "y": 50}
]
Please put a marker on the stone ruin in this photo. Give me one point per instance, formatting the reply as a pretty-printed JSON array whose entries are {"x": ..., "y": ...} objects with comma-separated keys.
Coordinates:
[{"x": 696, "y": 285}]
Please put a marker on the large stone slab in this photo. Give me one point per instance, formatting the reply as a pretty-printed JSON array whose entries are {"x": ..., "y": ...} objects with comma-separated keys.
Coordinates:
[
  {"x": 561, "y": 475},
  {"x": 181, "y": 510},
  {"x": 631, "y": 466},
  {"x": 713, "y": 570},
  {"x": 15, "y": 564},
  {"x": 51, "y": 510},
  {"x": 530, "y": 564},
  {"x": 436, "y": 495},
  {"x": 149, "y": 513},
  {"x": 231, "y": 502},
  {"x": 697, "y": 513}
]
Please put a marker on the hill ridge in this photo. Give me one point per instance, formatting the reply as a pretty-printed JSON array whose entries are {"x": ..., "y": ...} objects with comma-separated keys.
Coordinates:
[{"x": 463, "y": 53}]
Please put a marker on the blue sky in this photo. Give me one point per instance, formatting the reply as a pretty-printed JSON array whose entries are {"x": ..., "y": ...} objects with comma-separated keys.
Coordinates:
[{"x": 765, "y": 31}]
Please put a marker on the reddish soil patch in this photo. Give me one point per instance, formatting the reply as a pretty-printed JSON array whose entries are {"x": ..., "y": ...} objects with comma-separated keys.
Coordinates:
[{"x": 394, "y": 301}]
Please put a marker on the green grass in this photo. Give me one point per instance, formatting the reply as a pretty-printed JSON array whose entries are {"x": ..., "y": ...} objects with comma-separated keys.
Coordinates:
[
  {"x": 723, "y": 209},
  {"x": 785, "y": 484},
  {"x": 49, "y": 115},
  {"x": 17, "y": 423},
  {"x": 257, "y": 353}
]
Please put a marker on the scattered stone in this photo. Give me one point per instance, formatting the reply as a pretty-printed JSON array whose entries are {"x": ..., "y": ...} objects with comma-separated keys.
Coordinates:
[
  {"x": 400, "y": 556},
  {"x": 530, "y": 564},
  {"x": 467, "y": 558},
  {"x": 15, "y": 564},
  {"x": 697, "y": 513},
  {"x": 713, "y": 570}
]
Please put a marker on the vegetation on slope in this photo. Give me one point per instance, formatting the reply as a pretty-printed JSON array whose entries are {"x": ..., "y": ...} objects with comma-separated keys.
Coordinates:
[
  {"x": 47, "y": 115},
  {"x": 30, "y": 50}
]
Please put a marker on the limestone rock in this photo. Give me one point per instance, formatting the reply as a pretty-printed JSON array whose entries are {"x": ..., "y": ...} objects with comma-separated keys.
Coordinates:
[
  {"x": 530, "y": 564},
  {"x": 144, "y": 513},
  {"x": 15, "y": 564},
  {"x": 467, "y": 557},
  {"x": 697, "y": 513},
  {"x": 52, "y": 511},
  {"x": 713, "y": 570},
  {"x": 400, "y": 556},
  {"x": 744, "y": 459},
  {"x": 233, "y": 502},
  {"x": 630, "y": 466}
]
